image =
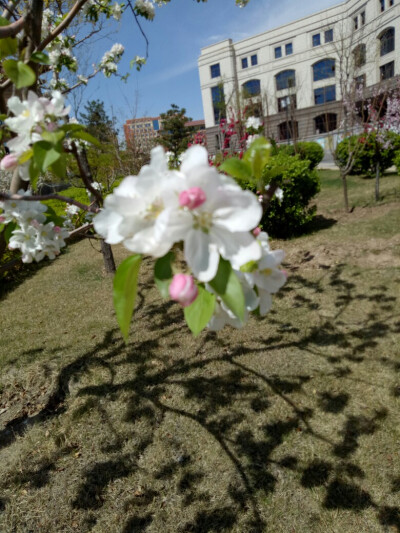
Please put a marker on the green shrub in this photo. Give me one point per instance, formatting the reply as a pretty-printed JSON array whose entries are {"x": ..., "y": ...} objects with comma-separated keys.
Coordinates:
[
  {"x": 367, "y": 152},
  {"x": 396, "y": 161},
  {"x": 76, "y": 193},
  {"x": 310, "y": 151},
  {"x": 300, "y": 184}
]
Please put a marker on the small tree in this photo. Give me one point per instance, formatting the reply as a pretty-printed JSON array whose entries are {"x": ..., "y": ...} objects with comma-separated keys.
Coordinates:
[
  {"x": 174, "y": 135},
  {"x": 97, "y": 122}
]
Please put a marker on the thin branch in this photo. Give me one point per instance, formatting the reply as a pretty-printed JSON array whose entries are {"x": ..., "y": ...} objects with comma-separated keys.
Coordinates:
[
  {"x": 64, "y": 24},
  {"x": 53, "y": 196},
  {"x": 140, "y": 28},
  {"x": 12, "y": 29}
]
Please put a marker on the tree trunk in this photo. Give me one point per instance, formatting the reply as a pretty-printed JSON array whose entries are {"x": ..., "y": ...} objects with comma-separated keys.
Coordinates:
[
  {"x": 377, "y": 177},
  {"x": 108, "y": 257},
  {"x": 345, "y": 193}
]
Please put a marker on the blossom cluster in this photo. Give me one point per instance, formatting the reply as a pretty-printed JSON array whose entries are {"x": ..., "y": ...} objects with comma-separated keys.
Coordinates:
[
  {"x": 35, "y": 238},
  {"x": 209, "y": 215},
  {"x": 32, "y": 118},
  {"x": 108, "y": 63}
]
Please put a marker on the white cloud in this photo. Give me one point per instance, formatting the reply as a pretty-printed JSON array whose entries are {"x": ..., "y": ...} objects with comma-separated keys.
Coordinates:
[{"x": 171, "y": 72}]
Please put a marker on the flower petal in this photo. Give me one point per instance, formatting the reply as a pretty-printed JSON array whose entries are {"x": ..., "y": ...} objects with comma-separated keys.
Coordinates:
[{"x": 201, "y": 255}]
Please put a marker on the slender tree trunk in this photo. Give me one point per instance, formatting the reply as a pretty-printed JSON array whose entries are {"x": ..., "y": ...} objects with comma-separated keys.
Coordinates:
[
  {"x": 377, "y": 179},
  {"x": 345, "y": 192},
  {"x": 108, "y": 257}
]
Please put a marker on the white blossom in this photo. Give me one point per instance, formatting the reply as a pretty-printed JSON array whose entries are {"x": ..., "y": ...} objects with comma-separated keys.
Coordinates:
[{"x": 145, "y": 8}]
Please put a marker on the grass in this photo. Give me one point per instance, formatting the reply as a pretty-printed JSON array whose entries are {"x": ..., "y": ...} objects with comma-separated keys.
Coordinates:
[{"x": 289, "y": 425}]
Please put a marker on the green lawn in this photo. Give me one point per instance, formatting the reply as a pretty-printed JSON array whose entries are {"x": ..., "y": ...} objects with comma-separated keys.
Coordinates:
[{"x": 291, "y": 425}]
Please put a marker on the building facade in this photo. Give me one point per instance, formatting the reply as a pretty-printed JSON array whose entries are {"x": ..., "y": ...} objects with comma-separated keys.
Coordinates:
[
  {"x": 141, "y": 133},
  {"x": 295, "y": 76}
]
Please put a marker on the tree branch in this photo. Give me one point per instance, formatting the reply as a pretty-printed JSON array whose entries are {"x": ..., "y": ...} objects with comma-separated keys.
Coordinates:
[
  {"x": 41, "y": 197},
  {"x": 64, "y": 24},
  {"x": 12, "y": 29}
]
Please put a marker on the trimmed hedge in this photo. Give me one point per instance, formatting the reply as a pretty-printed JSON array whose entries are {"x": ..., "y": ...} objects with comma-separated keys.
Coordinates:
[{"x": 311, "y": 151}]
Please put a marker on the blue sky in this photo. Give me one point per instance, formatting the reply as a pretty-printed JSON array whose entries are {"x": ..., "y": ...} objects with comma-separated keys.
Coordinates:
[{"x": 176, "y": 35}]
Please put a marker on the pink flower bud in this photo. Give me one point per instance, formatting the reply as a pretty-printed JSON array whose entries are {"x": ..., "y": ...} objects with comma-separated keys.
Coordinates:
[
  {"x": 256, "y": 231},
  {"x": 9, "y": 162},
  {"x": 57, "y": 229},
  {"x": 192, "y": 198},
  {"x": 2, "y": 219},
  {"x": 183, "y": 289}
]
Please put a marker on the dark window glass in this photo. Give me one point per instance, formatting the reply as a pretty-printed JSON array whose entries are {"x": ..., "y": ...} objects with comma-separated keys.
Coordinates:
[
  {"x": 288, "y": 130},
  {"x": 218, "y": 99},
  {"x": 391, "y": 3},
  {"x": 316, "y": 39},
  {"x": 215, "y": 70},
  {"x": 254, "y": 60},
  {"x": 324, "y": 69},
  {"x": 360, "y": 81},
  {"x": 355, "y": 20},
  {"x": 387, "y": 41},
  {"x": 278, "y": 52},
  {"x": 325, "y": 94},
  {"x": 382, "y": 3},
  {"x": 285, "y": 79},
  {"x": 363, "y": 18},
  {"x": 251, "y": 88},
  {"x": 289, "y": 49},
  {"x": 244, "y": 62},
  {"x": 329, "y": 36},
  {"x": 360, "y": 55},
  {"x": 287, "y": 103},
  {"x": 326, "y": 122},
  {"x": 387, "y": 71}
]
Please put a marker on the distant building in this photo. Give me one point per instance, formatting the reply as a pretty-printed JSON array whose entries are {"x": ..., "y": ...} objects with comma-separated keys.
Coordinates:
[
  {"x": 142, "y": 132},
  {"x": 295, "y": 73}
]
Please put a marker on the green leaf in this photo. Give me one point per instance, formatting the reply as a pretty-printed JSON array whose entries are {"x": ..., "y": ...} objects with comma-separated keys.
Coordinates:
[
  {"x": 163, "y": 273},
  {"x": 8, "y": 47},
  {"x": 257, "y": 156},
  {"x": 85, "y": 136},
  {"x": 72, "y": 127},
  {"x": 227, "y": 285},
  {"x": 1, "y": 227},
  {"x": 59, "y": 167},
  {"x": 125, "y": 289},
  {"x": 199, "y": 313},
  {"x": 25, "y": 156},
  {"x": 34, "y": 173},
  {"x": 53, "y": 137},
  {"x": 20, "y": 74},
  {"x": 53, "y": 217},
  {"x": 45, "y": 154},
  {"x": 10, "y": 227},
  {"x": 251, "y": 266},
  {"x": 40, "y": 57},
  {"x": 237, "y": 168}
]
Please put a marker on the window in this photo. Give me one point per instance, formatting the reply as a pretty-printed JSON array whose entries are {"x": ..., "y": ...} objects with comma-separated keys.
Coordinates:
[
  {"x": 288, "y": 130},
  {"x": 289, "y": 49},
  {"x": 244, "y": 62},
  {"x": 287, "y": 102},
  {"x": 285, "y": 79},
  {"x": 360, "y": 55},
  {"x": 325, "y": 94},
  {"x": 362, "y": 15},
  {"x": 278, "y": 52},
  {"x": 382, "y": 4},
  {"x": 326, "y": 122},
  {"x": 387, "y": 71},
  {"x": 329, "y": 36},
  {"x": 215, "y": 70},
  {"x": 316, "y": 39},
  {"x": 324, "y": 69},
  {"x": 387, "y": 41},
  {"x": 218, "y": 100},
  {"x": 251, "y": 88},
  {"x": 355, "y": 22},
  {"x": 360, "y": 81},
  {"x": 254, "y": 60}
]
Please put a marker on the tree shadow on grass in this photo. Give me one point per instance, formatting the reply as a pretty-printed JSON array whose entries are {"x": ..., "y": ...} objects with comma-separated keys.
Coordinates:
[{"x": 222, "y": 397}]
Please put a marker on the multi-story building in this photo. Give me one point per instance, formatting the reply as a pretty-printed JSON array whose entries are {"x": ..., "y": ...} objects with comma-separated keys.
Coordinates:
[
  {"x": 297, "y": 74},
  {"x": 142, "y": 132}
]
